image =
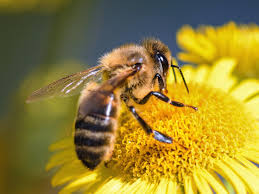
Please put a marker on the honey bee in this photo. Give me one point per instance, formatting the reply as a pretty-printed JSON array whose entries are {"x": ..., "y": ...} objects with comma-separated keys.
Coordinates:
[{"x": 130, "y": 74}]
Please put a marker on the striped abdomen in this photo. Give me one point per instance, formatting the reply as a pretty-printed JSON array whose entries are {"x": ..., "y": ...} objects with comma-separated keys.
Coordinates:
[{"x": 95, "y": 128}]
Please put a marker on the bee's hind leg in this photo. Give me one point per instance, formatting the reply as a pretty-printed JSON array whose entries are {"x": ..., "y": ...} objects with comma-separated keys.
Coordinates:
[{"x": 157, "y": 135}]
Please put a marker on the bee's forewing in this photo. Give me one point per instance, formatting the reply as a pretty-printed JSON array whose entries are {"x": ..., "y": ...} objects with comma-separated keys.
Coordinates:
[{"x": 68, "y": 86}]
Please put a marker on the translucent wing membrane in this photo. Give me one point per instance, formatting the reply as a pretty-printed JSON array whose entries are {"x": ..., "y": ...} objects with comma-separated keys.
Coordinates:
[{"x": 69, "y": 85}]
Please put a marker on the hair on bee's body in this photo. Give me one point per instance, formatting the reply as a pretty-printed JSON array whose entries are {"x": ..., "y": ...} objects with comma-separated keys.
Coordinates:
[
  {"x": 120, "y": 59},
  {"x": 131, "y": 74},
  {"x": 98, "y": 109}
]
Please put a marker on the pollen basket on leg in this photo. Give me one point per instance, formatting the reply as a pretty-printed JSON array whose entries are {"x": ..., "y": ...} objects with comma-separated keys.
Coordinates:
[{"x": 219, "y": 128}]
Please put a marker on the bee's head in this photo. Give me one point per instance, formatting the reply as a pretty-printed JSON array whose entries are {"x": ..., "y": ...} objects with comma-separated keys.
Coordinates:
[
  {"x": 124, "y": 57},
  {"x": 161, "y": 56}
]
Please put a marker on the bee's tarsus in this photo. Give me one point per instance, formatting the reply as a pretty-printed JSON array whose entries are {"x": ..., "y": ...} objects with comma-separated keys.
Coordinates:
[
  {"x": 162, "y": 137},
  {"x": 194, "y": 108},
  {"x": 179, "y": 104}
]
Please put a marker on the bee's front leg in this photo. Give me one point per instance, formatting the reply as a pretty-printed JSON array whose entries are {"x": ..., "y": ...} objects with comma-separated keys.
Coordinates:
[{"x": 164, "y": 98}]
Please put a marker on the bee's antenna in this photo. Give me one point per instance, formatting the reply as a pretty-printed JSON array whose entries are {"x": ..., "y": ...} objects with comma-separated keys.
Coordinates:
[
  {"x": 175, "y": 79},
  {"x": 175, "y": 66}
]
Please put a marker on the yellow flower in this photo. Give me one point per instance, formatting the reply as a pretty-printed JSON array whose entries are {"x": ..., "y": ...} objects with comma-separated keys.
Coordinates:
[
  {"x": 207, "y": 44},
  {"x": 221, "y": 138}
]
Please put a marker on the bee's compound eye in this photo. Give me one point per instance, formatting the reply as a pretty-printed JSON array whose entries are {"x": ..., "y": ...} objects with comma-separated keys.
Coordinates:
[
  {"x": 163, "y": 61},
  {"x": 137, "y": 66}
]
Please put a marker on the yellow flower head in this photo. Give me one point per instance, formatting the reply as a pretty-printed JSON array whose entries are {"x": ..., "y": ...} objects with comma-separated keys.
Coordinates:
[
  {"x": 207, "y": 44},
  {"x": 221, "y": 138}
]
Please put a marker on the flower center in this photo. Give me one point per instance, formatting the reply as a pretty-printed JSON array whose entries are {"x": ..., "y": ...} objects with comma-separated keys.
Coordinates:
[{"x": 220, "y": 127}]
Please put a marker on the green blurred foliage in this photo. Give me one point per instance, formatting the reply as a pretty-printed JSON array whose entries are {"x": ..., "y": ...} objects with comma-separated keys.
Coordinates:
[
  {"x": 28, "y": 129},
  {"x": 35, "y": 33},
  {"x": 14, "y": 6}
]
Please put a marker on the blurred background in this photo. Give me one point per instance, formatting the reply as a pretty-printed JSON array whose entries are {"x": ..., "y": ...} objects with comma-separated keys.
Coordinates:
[{"x": 43, "y": 40}]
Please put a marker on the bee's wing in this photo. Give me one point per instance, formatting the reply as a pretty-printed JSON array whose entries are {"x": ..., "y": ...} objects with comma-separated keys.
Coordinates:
[{"x": 69, "y": 85}]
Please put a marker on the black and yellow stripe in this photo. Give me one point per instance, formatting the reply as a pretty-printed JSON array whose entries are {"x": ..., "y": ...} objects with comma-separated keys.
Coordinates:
[{"x": 93, "y": 138}]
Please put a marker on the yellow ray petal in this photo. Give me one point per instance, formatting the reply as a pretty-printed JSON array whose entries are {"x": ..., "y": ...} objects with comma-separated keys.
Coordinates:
[
  {"x": 201, "y": 74},
  {"x": 223, "y": 67},
  {"x": 253, "y": 146},
  {"x": 186, "y": 38},
  {"x": 253, "y": 106},
  {"x": 230, "y": 176},
  {"x": 112, "y": 186},
  {"x": 162, "y": 186},
  {"x": 173, "y": 187},
  {"x": 138, "y": 186},
  {"x": 216, "y": 177},
  {"x": 188, "y": 72},
  {"x": 67, "y": 172},
  {"x": 201, "y": 183},
  {"x": 251, "y": 155},
  {"x": 62, "y": 144},
  {"x": 207, "y": 46},
  {"x": 248, "y": 165},
  {"x": 166, "y": 186},
  {"x": 92, "y": 186},
  {"x": 217, "y": 187},
  {"x": 188, "y": 57},
  {"x": 147, "y": 187},
  {"x": 195, "y": 43},
  {"x": 126, "y": 188},
  {"x": 79, "y": 183},
  {"x": 247, "y": 176},
  {"x": 212, "y": 43},
  {"x": 245, "y": 89},
  {"x": 60, "y": 158},
  {"x": 189, "y": 186}
]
